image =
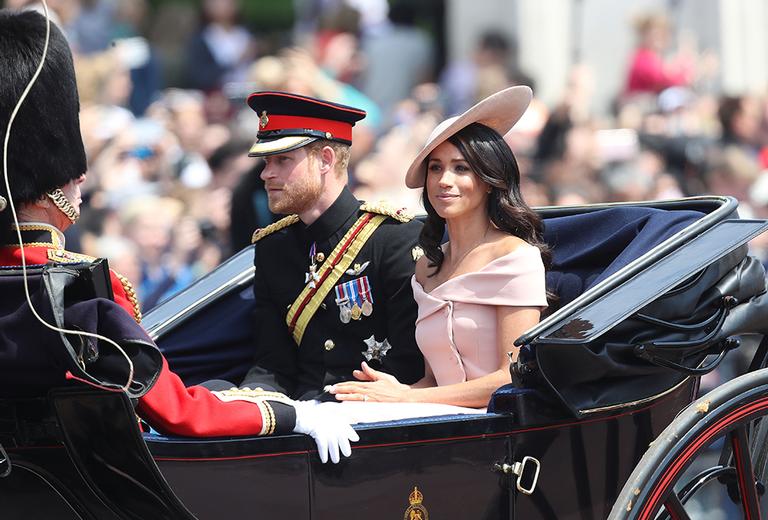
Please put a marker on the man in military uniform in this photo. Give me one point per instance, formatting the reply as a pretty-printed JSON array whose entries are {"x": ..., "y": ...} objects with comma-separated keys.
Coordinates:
[
  {"x": 46, "y": 167},
  {"x": 333, "y": 279}
]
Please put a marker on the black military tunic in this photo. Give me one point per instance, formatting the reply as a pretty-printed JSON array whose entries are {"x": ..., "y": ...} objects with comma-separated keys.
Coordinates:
[{"x": 330, "y": 349}]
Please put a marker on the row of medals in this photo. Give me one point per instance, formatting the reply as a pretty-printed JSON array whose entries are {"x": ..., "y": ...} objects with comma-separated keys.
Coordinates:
[{"x": 346, "y": 313}]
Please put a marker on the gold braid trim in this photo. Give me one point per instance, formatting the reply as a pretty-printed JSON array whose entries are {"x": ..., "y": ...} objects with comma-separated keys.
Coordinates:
[
  {"x": 271, "y": 416},
  {"x": 382, "y": 208},
  {"x": 131, "y": 294},
  {"x": 277, "y": 226}
]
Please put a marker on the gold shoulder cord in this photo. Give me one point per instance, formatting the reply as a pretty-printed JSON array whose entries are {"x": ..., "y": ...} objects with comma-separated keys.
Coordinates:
[
  {"x": 131, "y": 294},
  {"x": 277, "y": 226},
  {"x": 382, "y": 208}
]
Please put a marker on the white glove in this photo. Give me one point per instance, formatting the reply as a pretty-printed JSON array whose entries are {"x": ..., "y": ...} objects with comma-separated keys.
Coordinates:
[{"x": 332, "y": 433}]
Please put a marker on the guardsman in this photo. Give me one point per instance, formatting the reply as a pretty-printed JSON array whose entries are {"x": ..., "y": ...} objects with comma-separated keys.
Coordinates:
[
  {"x": 332, "y": 282},
  {"x": 46, "y": 167}
]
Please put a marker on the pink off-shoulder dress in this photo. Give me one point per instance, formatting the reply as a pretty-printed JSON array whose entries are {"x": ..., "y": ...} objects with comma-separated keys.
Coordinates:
[{"x": 456, "y": 324}]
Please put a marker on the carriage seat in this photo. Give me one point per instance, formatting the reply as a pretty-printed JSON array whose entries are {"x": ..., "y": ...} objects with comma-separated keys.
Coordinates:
[{"x": 589, "y": 247}]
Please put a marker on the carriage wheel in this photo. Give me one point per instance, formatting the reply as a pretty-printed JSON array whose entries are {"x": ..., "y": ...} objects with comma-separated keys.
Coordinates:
[{"x": 730, "y": 419}]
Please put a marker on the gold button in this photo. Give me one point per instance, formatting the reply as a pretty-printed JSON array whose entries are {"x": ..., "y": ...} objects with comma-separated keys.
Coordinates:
[
  {"x": 320, "y": 257},
  {"x": 329, "y": 344}
]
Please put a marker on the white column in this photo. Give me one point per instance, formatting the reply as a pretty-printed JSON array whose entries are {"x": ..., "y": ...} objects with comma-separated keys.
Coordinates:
[
  {"x": 744, "y": 45},
  {"x": 544, "y": 28}
]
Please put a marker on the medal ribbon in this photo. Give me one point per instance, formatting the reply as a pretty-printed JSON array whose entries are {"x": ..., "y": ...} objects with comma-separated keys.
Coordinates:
[{"x": 308, "y": 302}]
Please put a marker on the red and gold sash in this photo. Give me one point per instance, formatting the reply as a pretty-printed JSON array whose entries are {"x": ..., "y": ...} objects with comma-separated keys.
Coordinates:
[{"x": 308, "y": 302}]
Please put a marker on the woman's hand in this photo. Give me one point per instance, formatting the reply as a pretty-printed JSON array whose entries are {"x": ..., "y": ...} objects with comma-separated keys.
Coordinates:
[{"x": 372, "y": 386}]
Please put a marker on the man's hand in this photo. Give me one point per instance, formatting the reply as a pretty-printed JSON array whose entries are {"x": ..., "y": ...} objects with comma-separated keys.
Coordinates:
[{"x": 332, "y": 433}]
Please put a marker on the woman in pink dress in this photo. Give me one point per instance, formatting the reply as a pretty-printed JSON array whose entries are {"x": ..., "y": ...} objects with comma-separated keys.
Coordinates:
[{"x": 483, "y": 288}]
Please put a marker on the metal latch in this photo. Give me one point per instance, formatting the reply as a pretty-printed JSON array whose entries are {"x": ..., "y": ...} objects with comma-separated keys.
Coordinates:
[
  {"x": 518, "y": 468},
  {"x": 5, "y": 463}
]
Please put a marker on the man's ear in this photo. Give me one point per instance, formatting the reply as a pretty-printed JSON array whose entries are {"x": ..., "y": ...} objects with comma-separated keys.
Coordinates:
[
  {"x": 327, "y": 158},
  {"x": 43, "y": 203}
]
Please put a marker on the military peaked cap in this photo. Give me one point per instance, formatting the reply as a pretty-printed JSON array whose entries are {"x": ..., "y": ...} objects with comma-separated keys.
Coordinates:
[{"x": 289, "y": 121}]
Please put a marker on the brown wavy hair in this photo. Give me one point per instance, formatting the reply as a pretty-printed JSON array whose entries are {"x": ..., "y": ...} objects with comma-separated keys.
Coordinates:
[{"x": 493, "y": 162}]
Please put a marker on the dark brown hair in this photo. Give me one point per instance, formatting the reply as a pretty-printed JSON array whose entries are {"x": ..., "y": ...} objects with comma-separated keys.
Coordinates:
[{"x": 493, "y": 162}]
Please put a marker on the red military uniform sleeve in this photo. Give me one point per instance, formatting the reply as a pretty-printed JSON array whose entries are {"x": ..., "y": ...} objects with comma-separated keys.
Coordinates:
[{"x": 172, "y": 408}]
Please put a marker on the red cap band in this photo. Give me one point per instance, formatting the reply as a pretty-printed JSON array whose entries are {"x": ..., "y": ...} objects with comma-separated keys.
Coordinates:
[{"x": 337, "y": 129}]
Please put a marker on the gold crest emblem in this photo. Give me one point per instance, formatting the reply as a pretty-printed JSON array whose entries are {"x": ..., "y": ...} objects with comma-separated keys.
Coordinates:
[
  {"x": 263, "y": 119},
  {"x": 416, "y": 511}
]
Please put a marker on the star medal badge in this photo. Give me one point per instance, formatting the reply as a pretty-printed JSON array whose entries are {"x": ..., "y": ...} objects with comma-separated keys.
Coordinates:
[{"x": 376, "y": 349}]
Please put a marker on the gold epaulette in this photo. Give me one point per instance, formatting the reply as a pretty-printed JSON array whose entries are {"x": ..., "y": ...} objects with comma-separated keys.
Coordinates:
[
  {"x": 131, "y": 294},
  {"x": 65, "y": 257},
  {"x": 382, "y": 208},
  {"x": 277, "y": 226}
]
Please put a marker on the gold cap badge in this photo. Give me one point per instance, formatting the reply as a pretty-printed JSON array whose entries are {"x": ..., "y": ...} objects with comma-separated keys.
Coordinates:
[
  {"x": 416, "y": 511},
  {"x": 263, "y": 119}
]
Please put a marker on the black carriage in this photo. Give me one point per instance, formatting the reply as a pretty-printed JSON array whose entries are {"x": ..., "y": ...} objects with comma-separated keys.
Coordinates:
[{"x": 650, "y": 296}]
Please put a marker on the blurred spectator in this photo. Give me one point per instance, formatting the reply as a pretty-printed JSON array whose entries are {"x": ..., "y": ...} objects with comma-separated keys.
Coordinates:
[
  {"x": 166, "y": 242},
  {"x": 493, "y": 66},
  {"x": 649, "y": 72},
  {"x": 94, "y": 27},
  {"x": 250, "y": 208},
  {"x": 396, "y": 44},
  {"x": 130, "y": 21},
  {"x": 221, "y": 50},
  {"x": 741, "y": 120}
]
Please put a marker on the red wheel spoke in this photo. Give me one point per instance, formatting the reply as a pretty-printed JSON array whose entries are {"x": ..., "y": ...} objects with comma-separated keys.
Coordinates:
[
  {"x": 674, "y": 507},
  {"x": 745, "y": 473}
]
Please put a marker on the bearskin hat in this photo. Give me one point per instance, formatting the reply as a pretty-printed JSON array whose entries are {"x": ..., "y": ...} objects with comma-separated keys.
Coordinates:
[{"x": 45, "y": 149}]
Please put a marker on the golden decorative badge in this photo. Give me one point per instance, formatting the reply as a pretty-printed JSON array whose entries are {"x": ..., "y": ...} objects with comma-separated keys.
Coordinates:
[
  {"x": 416, "y": 511},
  {"x": 263, "y": 119}
]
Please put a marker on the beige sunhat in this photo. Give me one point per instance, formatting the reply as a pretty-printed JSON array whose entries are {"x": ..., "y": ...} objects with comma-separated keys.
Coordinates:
[{"x": 499, "y": 111}]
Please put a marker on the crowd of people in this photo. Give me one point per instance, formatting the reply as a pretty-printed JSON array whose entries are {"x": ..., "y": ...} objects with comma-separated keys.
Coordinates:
[{"x": 171, "y": 191}]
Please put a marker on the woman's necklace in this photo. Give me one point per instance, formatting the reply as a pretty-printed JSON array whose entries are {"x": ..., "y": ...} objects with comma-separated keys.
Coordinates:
[{"x": 475, "y": 246}]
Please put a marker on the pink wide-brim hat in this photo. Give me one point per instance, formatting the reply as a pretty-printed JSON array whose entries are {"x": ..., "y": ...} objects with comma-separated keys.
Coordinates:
[{"x": 499, "y": 111}]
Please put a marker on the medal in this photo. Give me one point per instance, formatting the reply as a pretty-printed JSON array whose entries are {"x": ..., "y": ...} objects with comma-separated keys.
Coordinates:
[
  {"x": 345, "y": 313},
  {"x": 342, "y": 300},
  {"x": 311, "y": 277},
  {"x": 354, "y": 299}
]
